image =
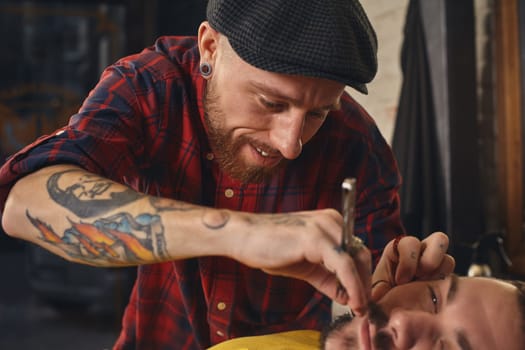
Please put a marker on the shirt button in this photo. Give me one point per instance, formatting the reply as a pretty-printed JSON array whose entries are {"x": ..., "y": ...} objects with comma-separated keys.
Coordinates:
[
  {"x": 221, "y": 306},
  {"x": 220, "y": 334},
  {"x": 210, "y": 156},
  {"x": 229, "y": 193}
]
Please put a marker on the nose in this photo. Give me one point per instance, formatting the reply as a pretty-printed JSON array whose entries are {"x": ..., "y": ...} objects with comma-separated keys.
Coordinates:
[
  {"x": 413, "y": 329},
  {"x": 286, "y": 134}
]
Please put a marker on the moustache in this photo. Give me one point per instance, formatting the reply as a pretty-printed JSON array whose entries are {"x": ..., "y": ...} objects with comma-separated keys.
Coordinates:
[{"x": 376, "y": 315}]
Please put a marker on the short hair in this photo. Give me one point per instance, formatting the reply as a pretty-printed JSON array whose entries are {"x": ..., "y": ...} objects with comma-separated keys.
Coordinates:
[{"x": 336, "y": 325}]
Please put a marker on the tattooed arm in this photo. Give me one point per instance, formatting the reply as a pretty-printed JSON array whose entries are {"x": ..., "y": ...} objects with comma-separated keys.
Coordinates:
[{"x": 88, "y": 219}]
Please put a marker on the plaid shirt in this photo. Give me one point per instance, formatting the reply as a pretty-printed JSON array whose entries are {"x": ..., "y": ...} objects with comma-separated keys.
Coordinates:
[{"x": 143, "y": 126}]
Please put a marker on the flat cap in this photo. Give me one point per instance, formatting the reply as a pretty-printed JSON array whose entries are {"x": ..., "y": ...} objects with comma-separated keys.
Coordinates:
[{"x": 330, "y": 39}]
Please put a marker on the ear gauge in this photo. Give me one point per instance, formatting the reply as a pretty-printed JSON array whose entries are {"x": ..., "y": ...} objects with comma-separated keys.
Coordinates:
[{"x": 205, "y": 69}]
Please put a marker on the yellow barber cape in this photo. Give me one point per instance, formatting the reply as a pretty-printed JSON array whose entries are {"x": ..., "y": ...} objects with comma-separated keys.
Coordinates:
[{"x": 293, "y": 340}]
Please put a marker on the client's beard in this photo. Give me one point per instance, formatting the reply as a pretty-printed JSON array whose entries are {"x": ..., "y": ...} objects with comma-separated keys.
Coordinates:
[
  {"x": 382, "y": 340},
  {"x": 376, "y": 316}
]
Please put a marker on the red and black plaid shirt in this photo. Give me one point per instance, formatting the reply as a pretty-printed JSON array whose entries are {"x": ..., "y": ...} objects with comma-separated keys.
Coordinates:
[{"x": 142, "y": 125}]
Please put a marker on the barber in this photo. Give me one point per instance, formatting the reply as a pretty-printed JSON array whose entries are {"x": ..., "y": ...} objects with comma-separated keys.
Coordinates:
[{"x": 214, "y": 164}]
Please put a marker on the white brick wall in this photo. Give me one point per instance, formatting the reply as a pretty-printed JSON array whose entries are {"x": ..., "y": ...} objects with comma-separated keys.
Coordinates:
[{"x": 388, "y": 19}]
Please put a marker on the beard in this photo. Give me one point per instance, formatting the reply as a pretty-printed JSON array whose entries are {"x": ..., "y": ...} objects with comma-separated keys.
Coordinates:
[
  {"x": 226, "y": 148},
  {"x": 376, "y": 316}
]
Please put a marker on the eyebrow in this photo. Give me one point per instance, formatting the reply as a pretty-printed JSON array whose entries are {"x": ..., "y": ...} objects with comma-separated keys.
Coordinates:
[
  {"x": 453, "y": 288},
  {"x": 461, "y": 337},
  {"x": 277, "y": 94}
]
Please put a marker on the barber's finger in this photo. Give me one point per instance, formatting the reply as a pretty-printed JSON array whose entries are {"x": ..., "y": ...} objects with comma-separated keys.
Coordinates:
[
  {"x": 355, "y": 278},
  {"x": 327, "y": 283},
  {"x": 379, "y": 289},
  {"x": 409, "y": 249},
  {"x": 363, "y": 262},
  {"x": 384, "y": 274},
  {"x": 350, "y": 274},
  {"x": 433, "y": 251},
  {"x": 444, "y": 269}
]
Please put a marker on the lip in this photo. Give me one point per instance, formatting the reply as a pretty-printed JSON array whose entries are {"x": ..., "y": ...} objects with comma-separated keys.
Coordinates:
[{"x": 365, "y": 335}]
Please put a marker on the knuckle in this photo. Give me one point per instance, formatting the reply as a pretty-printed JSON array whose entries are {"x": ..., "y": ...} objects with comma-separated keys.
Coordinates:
[
  {"x": 410, "y": 244},
  {"x": 450, "y": 262},
  {"x": 331, "y": 212},
  {"x": 440, "y": 237},
  {"x": 410, "y": 241}
]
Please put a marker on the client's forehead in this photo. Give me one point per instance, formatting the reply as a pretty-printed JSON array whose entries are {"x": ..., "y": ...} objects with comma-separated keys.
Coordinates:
[{"x": 490, "y": 307}]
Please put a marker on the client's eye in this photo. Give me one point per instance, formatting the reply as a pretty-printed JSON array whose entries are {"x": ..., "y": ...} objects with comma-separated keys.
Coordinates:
[{"x": 433, "y": 298}]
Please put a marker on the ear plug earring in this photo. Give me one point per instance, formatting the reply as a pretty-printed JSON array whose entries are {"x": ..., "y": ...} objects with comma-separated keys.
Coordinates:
[{"x": 205, "y": 69}]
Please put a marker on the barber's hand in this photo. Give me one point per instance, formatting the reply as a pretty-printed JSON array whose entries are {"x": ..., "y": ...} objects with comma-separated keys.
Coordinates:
[
  {"x": 306, "y": 245},
  {"x": 412, "y": 260}
]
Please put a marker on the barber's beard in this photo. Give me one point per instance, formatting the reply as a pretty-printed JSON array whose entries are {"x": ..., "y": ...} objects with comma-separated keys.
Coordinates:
[{"x": 225, "y": 148}]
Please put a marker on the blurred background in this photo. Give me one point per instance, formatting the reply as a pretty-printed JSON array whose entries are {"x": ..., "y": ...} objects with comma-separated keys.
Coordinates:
[{"x": 448, "y": 97}]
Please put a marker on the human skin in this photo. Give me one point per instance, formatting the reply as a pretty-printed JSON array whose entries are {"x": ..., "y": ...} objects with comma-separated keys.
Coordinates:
[
  {"x": 452, "y": 313},
  {"x": 269, "y": 117}
]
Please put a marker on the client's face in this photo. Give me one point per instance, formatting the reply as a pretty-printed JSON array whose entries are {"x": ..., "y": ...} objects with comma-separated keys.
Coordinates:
[{"x": 455, "y": 313}]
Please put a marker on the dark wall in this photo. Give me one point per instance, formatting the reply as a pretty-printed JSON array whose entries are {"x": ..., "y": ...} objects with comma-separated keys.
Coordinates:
[{"x": 53, "y": 53}]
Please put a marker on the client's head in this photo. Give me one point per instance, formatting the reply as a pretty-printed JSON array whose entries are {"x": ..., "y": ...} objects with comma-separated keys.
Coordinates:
[{"x": 455, "y": 313}]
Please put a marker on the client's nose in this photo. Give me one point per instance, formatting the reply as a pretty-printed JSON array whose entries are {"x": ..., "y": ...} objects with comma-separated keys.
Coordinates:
[{"x": 413, "y": 329}]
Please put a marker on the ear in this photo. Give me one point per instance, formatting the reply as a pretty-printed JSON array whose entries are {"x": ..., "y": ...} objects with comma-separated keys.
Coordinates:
[{"x": 208, "y": 39}]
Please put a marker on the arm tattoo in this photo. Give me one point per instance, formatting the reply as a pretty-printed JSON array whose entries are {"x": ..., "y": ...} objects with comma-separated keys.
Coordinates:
[
  {"x": 90, "y": 195},
  {"x": 119, "y": 239},
  {"x": 163, "y": 204},
  {"x": 277, "y": 219},
  {"x": 215, "y": 219}
]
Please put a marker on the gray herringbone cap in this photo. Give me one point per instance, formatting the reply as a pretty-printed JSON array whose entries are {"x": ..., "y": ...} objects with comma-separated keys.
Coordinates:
[{"x": 330, "y": 39}]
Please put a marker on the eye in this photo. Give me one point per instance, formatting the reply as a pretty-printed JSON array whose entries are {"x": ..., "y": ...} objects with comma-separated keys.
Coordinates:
[
  {"x": 433, "y": 298},
  {"x": 271, "y": 105},
  {"x": 318, "y": 115}
]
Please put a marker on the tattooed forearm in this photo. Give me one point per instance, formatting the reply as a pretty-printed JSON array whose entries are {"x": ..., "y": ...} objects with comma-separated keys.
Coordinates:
[
  {"x": 90, "y": 195},
  {"x": 277, "y": 219},
  {"x": 120, "y": 239},
  {"x": 163, "y": 204},
  {"x": 215, "y": 219}
]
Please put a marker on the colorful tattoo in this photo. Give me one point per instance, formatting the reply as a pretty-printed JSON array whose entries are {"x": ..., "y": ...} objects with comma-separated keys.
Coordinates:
[{"x": 119, "y": 238}]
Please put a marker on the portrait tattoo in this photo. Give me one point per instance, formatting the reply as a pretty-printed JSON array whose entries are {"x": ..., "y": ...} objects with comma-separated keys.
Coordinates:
[
  {"x": 120, "y": 239},
  {"x": 90, "y": 195}
]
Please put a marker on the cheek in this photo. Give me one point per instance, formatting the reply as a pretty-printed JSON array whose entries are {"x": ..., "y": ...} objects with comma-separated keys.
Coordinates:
[{"x": 239, "y": 112}]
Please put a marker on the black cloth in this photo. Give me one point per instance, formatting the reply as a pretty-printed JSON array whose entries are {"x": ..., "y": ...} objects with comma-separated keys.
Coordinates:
[{"x": 415, "y": 142}]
